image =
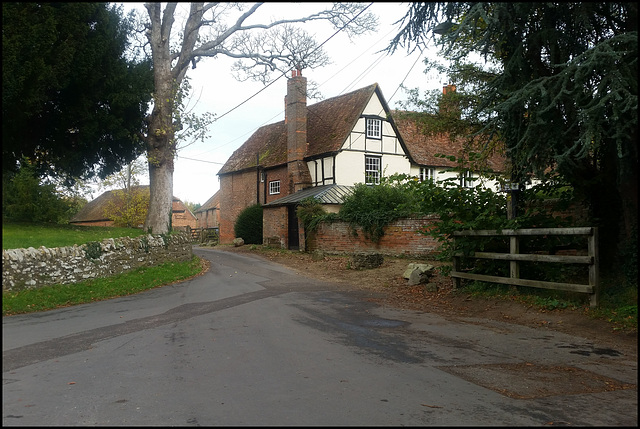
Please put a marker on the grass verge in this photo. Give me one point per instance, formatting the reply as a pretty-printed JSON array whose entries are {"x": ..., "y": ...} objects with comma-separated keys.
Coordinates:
[
  {"x": 618, "y": 303},
  {"x": 57, "y": 296},
  {"x": 25, "y": 235}
]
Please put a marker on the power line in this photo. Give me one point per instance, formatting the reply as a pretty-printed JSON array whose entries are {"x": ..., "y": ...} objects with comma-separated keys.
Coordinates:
[
  {"x": 201, "y": 160},
  {"x": 285, "y": 73},
  {"x": 374, "y": 64},
  {"x": 278, "y": 78}
]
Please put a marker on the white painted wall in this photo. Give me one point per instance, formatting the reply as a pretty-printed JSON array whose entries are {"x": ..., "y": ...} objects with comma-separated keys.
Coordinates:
[{"x": 350, "y": 162}]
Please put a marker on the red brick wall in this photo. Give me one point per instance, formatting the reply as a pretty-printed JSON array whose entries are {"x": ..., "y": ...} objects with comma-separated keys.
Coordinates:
[
  {"x": 208, "y": 218},
  {"x": 274, "y": 226},
  {"x": 275, "y": 174},
  {"x": 238, "y": 191},
  {"x": 402, "y": 237}
]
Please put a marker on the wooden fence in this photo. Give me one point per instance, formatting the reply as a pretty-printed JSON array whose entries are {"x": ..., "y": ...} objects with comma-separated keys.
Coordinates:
[
  {"x": 515, "y": 257},
  {"x": 205, "y": 234}
]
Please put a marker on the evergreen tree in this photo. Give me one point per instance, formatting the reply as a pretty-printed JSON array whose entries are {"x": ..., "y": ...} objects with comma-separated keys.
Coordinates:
[
  {"x": 71, "y": 101},
  {"x": 561, "y": 93}
]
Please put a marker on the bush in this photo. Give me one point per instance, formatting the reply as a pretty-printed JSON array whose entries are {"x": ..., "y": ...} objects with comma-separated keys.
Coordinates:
[
  {"x": 374, "y": 207},
  {"x": 311, "y": 212},
  {"x": 249, "y": 225},
  {"x": 26, "y": 199}
]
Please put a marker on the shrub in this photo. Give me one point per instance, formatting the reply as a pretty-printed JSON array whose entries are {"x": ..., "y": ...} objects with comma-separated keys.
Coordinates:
[
  {"x": 311, "y": 213},
  {"x": 374, "y": 207},
  {"x": 249, "y": 225},
  {"x": 26, "y": 198}
]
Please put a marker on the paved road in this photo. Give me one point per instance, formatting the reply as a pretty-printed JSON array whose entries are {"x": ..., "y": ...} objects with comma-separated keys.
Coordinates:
[{"x": 251, "y": 343}]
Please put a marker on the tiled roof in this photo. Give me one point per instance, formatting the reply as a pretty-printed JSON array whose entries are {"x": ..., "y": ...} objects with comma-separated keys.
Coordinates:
[
  {"x": 94, "y": 210},
  {"x": 423, "y": 148},
  {"x": 329, "y": 122},
  {"x": 326, "y": 194},
  {"x": 211, "y": 203}
]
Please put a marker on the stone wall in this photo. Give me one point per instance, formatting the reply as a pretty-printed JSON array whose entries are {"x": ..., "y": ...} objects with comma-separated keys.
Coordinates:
[
  {"x": 401, "y": 238},
  {"x": 32, "y": 268}
]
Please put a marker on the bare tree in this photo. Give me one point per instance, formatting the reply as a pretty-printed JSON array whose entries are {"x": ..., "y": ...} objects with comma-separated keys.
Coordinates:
[{"x": 222, "y": 29}]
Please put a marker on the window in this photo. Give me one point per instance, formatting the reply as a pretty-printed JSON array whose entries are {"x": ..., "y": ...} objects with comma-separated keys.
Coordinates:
[
  {"x": 274, "y": 187},
  {"x": 466, "y": 179},
  {"x": 427, "y": 173},
  {"x": 374, "y": 128},
  {"x": 372, "y": 170}
]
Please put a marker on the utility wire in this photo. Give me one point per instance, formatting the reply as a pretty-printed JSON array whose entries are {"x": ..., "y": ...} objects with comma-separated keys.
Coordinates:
[
  {"x": 357, "y": 79},
  {"x": 284, "y": 74}
]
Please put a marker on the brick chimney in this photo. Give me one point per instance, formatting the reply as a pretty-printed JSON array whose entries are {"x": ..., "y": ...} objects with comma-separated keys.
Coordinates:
[
  {"x": 450, "y": 106},
  {"x": 296, "y": 122}
]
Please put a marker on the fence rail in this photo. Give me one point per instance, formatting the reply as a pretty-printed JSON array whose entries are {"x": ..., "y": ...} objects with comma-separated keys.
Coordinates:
[
  {"x": 205, "y": 234},
  {"x": 515, "y": 257}
]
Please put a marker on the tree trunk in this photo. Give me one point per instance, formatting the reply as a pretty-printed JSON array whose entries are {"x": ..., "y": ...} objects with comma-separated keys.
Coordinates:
[
  {"x": 161, "y": 133},
  {"x": 160, "y": 154},
  {"x": 161, "y": 188}
]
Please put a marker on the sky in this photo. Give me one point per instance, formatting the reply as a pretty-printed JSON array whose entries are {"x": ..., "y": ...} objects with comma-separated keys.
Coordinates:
[{"x": 243, "y": 107}]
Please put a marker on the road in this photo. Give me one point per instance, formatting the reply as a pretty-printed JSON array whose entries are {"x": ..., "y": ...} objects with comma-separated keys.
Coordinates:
[{"x": 252, "y": 343}]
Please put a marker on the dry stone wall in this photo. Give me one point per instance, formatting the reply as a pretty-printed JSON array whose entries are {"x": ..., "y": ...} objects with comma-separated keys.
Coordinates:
[{"x": 33, "y": 268}]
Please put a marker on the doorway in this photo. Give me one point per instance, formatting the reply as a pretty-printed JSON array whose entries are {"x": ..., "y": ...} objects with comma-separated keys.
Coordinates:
[{"x": 292, "y": 228}]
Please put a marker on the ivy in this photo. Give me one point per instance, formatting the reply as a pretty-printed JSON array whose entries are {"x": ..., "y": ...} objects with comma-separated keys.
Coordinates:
[
  {"x": 144, "y": 243},
  {"x": 311, "y": 214},
  {"x": 92, "y": 250},
  {"x": 374, "y": 207},
  {"x": 456, "y": 208}
]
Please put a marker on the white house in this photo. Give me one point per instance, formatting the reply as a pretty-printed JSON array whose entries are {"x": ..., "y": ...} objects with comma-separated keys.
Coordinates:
[{"x": 321, "y": 151}]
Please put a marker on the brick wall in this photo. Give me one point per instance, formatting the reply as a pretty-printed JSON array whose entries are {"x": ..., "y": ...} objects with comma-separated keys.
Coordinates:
[
  {"x": 402, "y": 237},
  {"x": 238, "y": 191},
  {"x": 276, "y": 174},
  {"x": 274, "y": 227}
]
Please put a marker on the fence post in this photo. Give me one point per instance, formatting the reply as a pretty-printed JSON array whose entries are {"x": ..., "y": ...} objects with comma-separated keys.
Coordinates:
[
  {"x": 456, "y": 265},
  {"x": 594, "y": 274},
  {"x": 514, "y": 248}
]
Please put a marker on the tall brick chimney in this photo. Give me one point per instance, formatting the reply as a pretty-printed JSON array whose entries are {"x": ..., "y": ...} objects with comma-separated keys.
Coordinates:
[
  {"x": 449, "y": 106},
  {"x": 296, "y": 121}
]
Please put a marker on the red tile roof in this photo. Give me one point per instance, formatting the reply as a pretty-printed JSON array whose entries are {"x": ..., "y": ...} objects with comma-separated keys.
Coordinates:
[
  {"x": 329, "y": 122},
  {"x": 423, "y": 147}
]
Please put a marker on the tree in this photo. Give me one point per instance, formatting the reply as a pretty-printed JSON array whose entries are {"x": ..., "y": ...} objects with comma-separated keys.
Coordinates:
[
  {"x": 220, "y": 29},
  {"x": 26, "y": 199},
  {"x": 128, "y": 207},
  {"x": 72, "y": 101},
  {"x": 562, "y": 93},
  {"x": 130, "y": 202}
]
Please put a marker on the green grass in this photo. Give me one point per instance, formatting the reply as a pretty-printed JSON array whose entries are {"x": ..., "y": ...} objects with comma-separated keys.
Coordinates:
[
  {"x": 24, "y": 235},
  {"x": 56, "y": 296}
]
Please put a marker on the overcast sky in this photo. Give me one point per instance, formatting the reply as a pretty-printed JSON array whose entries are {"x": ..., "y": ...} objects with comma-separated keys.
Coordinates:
[{"x": 355, "y": 64}]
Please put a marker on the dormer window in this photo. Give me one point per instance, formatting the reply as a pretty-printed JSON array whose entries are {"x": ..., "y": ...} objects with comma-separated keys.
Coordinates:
[{"x": 374, "y": 128}]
